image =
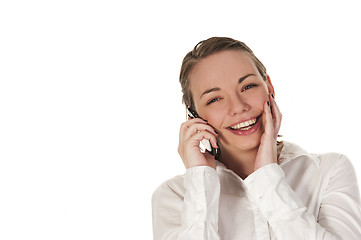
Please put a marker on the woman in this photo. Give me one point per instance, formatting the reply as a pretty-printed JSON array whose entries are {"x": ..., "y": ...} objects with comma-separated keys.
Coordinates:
[{"x": 255, "y": 187}]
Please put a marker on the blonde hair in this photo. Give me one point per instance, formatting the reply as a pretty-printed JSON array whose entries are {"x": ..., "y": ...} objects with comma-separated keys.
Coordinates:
[{"x": 204, "y": 49}]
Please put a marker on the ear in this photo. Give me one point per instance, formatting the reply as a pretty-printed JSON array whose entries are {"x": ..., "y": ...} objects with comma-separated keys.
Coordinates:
[{"x": 270, "y": 86}]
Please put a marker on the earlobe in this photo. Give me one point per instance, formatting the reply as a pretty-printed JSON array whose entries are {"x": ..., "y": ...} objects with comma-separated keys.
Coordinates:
[{"x": 270, "y": 86}]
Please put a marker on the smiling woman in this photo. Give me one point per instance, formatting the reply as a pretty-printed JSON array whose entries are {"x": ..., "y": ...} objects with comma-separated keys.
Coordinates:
[{"x": 255, "y": 187}]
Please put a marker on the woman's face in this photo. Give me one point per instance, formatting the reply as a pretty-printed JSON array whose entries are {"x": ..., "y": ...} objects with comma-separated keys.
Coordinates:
[{"x": 229, "y": 92}]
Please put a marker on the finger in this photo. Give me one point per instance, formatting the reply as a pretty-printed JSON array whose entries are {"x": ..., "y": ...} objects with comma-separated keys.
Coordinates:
[
  {"x": 268, "y": 118},
  {"x": 199, "y": 136},
  {"x": 186, "y": 125},
  {"x": 196, "y": 120},
  {"x": 198, "y": 127},
  {"x": 277, "y": 115},
  {"x": 194, "y": 125}
]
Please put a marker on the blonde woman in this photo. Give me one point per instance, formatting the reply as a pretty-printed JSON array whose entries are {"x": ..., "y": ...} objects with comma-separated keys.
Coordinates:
[{"x": 253, "y": 187}]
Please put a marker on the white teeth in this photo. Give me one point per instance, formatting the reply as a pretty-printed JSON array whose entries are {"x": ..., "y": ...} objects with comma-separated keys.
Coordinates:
[{"x": 245, "y": 125}]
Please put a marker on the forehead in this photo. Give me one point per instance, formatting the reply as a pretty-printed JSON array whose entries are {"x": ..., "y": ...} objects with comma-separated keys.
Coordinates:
[{"x": 220, "y": 69}]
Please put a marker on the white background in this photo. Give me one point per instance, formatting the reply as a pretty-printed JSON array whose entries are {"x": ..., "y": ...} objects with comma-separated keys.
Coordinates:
[{"x": 90, "y": 104}]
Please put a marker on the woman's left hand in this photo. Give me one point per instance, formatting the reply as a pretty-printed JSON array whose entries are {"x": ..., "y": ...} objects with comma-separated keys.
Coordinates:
[{"x": 267, "y": 151}]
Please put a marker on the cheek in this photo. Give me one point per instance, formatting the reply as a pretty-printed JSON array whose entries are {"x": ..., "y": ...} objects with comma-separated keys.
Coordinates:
[
  {"x": 257, "y": 101},
  {"x": 216, "y": 118},
  {"x": 262, "y": 98}
]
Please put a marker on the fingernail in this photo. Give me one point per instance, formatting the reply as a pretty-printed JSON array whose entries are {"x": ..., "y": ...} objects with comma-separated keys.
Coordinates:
[
  {"x": 272, "y": 95},
  {"x": 268, "y": 103}
]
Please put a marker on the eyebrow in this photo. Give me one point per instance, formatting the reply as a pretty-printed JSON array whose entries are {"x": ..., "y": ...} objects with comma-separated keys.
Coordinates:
[
  {"x": 215, "y": 89},
  {"x": 243, "y": 78}
]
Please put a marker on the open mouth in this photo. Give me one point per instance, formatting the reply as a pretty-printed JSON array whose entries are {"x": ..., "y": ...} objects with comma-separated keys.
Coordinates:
[{"x": 244, "y": 127}]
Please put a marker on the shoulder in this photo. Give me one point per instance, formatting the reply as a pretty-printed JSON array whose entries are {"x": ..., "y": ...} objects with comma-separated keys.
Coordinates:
[
  {"x": 333, "y": 159},
  {"x": 337, "y": 165},
  {"x": 291, "y": 151},
  {"x": 331, "y": 162},
  {"x": 340, "y": 174}
]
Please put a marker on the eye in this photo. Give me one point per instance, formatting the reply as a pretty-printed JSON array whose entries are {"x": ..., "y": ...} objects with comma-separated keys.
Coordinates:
[
  {"x": 213, "y": 100},
  {"x": 249, "y": 86}
]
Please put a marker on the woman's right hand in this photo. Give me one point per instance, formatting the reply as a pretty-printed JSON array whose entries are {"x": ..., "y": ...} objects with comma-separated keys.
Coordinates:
[{"x": 191, "y": 133}]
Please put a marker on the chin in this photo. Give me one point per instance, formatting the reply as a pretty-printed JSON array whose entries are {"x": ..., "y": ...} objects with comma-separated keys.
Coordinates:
[
  {"x": 248, "y": 144},
  {"x": 242, "y": 143}
]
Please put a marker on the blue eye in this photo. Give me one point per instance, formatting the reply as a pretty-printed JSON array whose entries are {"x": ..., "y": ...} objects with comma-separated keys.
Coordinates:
[
  {"x": 212, "y": 101},
  {"x": 249, "y": 86}
]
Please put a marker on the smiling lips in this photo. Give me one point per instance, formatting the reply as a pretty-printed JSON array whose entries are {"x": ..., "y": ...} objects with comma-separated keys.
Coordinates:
[{"x": 246, "y": 127}]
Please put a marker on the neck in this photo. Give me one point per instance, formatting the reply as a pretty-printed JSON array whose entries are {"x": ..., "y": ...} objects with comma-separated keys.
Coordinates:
[{"x": 239, "y": 161}]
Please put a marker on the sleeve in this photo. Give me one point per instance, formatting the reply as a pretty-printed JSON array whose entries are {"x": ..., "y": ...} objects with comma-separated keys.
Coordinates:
[
  {"x": 339, "y": 216},
  {"x": 192, "y": 216}
]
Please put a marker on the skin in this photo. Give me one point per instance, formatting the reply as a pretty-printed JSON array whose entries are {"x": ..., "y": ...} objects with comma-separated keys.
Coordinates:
[{"x": 223, "y": 101}]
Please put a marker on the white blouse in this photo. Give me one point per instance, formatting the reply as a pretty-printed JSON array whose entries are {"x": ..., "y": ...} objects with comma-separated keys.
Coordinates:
[{"x": 306, "y": 196}]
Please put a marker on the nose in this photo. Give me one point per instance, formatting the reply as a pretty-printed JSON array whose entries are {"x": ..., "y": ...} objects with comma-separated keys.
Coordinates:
[{"x": 238, "y": 105}]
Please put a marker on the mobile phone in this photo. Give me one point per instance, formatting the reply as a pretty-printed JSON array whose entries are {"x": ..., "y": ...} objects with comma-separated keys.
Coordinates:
[{"x": 204, "y": 144}]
